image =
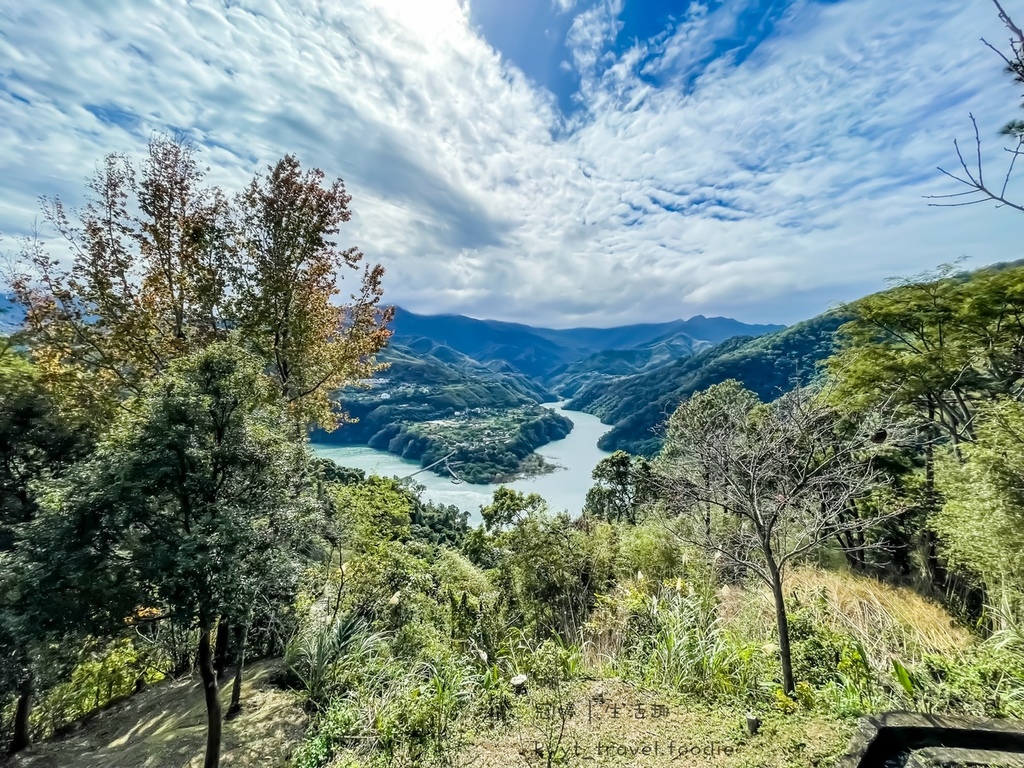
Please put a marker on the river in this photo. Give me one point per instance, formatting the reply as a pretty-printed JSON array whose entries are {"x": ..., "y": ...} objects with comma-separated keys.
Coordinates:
[{"x": 564, "y": 489}]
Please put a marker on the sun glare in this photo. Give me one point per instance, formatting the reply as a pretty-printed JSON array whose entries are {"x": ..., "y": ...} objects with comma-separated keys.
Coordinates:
[{"x": 431, "y": 18}]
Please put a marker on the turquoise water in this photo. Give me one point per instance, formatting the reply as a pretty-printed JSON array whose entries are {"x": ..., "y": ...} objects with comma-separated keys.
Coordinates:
[{"x": 564, "y": 489}]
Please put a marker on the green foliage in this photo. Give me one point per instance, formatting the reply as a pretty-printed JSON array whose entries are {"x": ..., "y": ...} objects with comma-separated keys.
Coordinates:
[
  {"x": 442, "y": 524},
  {"x": 984, "y": 681},
  {"x": 509, "y": 506},
  {"x": 329, "y": 656},
  {"x": 982, "y": 520},
  {"x": 552, "y": 572},
  {"x": 647, "y": 549},
  {"x": 337, "y": 729},
  {"x": 187, "y": 504},
  {"x": 37, "y": 447},
  {"x": 496, "y": 697},
  {"x": 817, "y": 651},
  {"x": 103, "y": 674},
  {"x": 374, "y": 510},
  {"x": 624, "y": 487},
  {"x": 903, "y": 676},
  {"x": 939, "y": 344},
  {"x": 676, "y": 639}
]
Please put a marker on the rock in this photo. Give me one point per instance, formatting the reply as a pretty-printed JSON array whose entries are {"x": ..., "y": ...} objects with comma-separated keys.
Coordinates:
[
  {"x": 753, "y": 724},
  {"x": 926, "y": 740}
]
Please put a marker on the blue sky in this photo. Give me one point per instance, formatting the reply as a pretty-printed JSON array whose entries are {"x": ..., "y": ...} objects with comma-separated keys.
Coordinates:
[{"x": 558, "y": 162}]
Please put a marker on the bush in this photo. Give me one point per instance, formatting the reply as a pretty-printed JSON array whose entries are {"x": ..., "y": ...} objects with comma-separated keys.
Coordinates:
[{"x": 816, "y": 650}]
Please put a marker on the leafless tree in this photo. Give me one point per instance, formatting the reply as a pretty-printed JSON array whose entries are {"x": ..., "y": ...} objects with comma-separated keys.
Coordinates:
[
  {"x": 761, "y": 486},
  {"x": 979, "y": 189}
]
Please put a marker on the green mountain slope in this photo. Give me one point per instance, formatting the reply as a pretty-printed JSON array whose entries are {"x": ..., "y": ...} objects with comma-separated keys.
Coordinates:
[
  {"x": 434, "y": 401},
  {"x": 637, "y": 405},
  {"x": 425, "y": 362},
  {"x": 541, "y": 352},
  {"x": 611, "y": 364}
]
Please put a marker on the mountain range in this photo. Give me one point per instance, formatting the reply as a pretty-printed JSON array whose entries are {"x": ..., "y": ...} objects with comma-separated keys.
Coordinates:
[
  {"x": 631, "y": 377},
  {"x": 546, "y": 354}
]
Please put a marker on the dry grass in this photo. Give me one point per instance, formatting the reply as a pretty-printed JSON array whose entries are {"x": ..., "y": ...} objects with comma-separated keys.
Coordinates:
[
  {"x": 165, "y": 727},
  {"x": 888, "y": 621}
]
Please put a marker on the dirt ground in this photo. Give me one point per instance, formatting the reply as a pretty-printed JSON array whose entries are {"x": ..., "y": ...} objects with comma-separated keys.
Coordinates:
[{"x": 165, "y": 727}]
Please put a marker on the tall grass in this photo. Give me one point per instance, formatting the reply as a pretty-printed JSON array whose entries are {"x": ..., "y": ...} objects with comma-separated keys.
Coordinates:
[
  {"x": 327, "y": 653},
  {"x": 889, "y": 622}
]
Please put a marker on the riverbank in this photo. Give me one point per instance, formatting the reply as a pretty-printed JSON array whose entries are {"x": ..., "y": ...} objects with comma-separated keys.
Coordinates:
[
  {"x": 565, "y": 488},
  {"x": 480, "y": 445}
]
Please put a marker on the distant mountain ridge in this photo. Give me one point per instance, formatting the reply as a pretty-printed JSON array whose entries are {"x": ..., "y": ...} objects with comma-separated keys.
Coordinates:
[
  {"x": 545, "y": 353},
  {"x": 768, "y": 365}
]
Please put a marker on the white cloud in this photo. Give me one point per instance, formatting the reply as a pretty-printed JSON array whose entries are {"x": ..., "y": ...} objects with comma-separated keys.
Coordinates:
[{"x": 764, "y": 190}]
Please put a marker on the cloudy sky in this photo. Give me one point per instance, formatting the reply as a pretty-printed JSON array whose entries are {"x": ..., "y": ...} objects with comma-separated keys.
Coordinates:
[{"x": 557, "y": 162}]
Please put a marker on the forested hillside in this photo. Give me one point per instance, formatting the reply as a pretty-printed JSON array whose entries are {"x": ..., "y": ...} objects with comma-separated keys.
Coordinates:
[
  {"x": 463, "y": 387},
  {"x": 637, "y": 406}
]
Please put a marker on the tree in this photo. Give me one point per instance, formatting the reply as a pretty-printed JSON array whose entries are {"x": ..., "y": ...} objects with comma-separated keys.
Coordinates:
[
  {"x": 510, "y": 506},
  {"x": 290, "y": 270},
  {"x": 147, "y": 281},
  {"x": 982, "y": 519},
  {"x": 162, "y": 266},
  {"x": 761, "y": 486},
  {"x": 934, "y": 349},
  {"x": 36, "y": 446},
  {"x": 623, "y": 487},
  {"x": 187, "y": 506},
  {"x": 980, "y": 190}
]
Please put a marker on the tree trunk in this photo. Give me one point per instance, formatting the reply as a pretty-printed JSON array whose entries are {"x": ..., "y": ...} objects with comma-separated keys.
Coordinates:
[
  {"x": 213, "y": 713},
  {"x": 782, "y": 623},
  {"x": 236, "y": 690},
  {"x": 937, "y": 574},
  {"x": 221, "y": 649},
  {"x": 22, "y": 738}
]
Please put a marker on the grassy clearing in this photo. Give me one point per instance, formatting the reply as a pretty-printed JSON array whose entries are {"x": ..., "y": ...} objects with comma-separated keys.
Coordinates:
[
  {"x": 684, "y": 734},
  {"x": 165, "y": 727}
]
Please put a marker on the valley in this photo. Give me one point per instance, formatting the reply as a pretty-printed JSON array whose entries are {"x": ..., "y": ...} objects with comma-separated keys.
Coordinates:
[{"x": 472, "y": 390}]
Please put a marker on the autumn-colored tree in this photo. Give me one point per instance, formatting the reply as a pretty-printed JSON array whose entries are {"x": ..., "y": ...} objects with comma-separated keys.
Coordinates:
[
  {"x": 146, "y": 282},
  {"x": 287, "y": 277},
  {"x": 163, "y": 265}
]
